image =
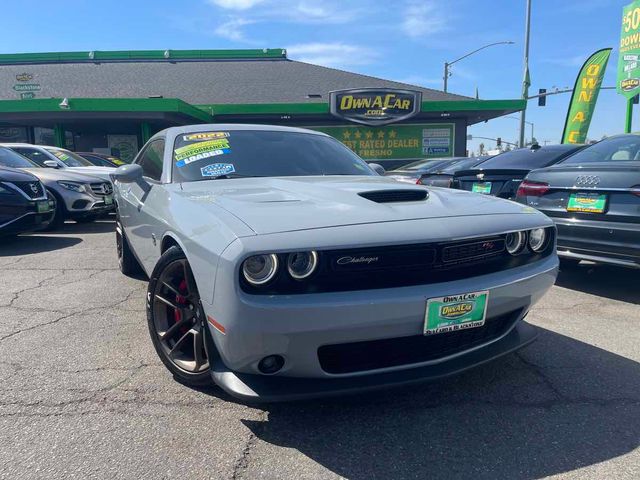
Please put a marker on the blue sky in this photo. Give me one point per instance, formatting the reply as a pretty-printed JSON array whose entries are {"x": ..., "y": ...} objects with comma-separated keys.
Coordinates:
[{"x": 406, "y": 40}]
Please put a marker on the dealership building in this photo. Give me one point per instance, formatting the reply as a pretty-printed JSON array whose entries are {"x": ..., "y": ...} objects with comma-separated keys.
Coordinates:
[{"x": 112, "y": 102}]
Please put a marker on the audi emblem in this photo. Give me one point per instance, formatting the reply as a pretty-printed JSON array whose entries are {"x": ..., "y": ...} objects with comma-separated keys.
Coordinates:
[{"x": 587, "y": 181}]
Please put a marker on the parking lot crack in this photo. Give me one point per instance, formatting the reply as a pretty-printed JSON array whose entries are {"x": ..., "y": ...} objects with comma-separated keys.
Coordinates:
[{"x": 242, "y": 463}]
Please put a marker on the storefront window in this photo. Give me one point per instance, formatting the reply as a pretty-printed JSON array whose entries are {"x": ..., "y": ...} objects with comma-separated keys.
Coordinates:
[{"x": 14, "y": 135}]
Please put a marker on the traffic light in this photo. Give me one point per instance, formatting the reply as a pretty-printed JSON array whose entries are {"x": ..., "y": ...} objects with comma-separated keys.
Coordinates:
[
  {"x": 542, "y": 99},
  {"x": 498, "y": 142}
]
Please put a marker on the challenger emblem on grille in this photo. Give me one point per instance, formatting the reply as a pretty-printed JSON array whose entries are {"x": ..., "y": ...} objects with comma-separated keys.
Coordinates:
[{"x": 347, "y": 260}]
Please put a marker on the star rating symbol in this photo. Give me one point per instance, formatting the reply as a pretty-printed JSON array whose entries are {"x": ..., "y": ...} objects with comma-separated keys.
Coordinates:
[
  {"x": 369, "y": 135},
  {"x": 381, "y": 134},
  {"x": 346, "y": 134},
  {"x": 357, "y": 134},
  {"x": 392, "y": 134}
]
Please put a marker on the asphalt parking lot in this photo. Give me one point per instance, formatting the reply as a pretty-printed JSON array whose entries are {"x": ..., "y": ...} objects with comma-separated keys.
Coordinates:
[{"x": 83, "y": 394}]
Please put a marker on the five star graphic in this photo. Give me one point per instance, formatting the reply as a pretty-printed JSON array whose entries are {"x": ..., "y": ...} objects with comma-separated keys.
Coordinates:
[
  {"x": 381, "y": 134},
  {"x": 357, "y": 134},
  {"x": 392, "y": 134},
  {"x": 346, "y": 134},
  {"x": 369, "y": 135}
]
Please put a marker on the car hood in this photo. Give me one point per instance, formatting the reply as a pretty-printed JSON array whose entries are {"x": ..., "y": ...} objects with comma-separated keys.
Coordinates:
[
  {"x": 271, "y": 205},
  {"x": 101, "y": 172},
  {"x": 53, "y": 175}
]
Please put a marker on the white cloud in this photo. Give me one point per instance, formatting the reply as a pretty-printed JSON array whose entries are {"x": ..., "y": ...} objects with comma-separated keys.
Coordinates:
[
  {"x": 232, "y": 29},
  {"x": 335, "y": 54},
  {"x": 423, "y": 18},
  {"x": 235, "y": 4}
]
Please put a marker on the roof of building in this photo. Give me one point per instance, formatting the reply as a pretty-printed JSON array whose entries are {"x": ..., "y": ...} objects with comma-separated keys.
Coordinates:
[{"x": 197, "y": 77}]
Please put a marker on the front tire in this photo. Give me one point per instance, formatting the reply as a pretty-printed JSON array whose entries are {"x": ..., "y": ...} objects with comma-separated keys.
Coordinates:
[
  {"x": 59, "y": 213},
  {"x": 176, "y": 320}
]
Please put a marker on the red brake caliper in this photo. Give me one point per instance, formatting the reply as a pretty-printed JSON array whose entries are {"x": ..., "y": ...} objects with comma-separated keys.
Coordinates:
[{"x": 181, "y": 301}]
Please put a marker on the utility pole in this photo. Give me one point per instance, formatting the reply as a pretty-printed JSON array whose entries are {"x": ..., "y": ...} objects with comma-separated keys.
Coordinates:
[{"x": 526, "y": 81}]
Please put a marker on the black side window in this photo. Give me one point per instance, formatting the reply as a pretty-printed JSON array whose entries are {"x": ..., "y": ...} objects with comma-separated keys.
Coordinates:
[
  {"x": 34, "y": 155},
  {"x": 151, "y": 160}
]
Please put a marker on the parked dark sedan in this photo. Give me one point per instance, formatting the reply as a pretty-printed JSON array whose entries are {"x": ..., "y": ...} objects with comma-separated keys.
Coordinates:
[
  {"x": 442, "y": 176},
  {"x": 502, "y": 174},
  {"x": 24, "y": 206},
  {"x": 594, "y": 199},
  {"x": 101, "y": 160},
  {"x": 412, "y": 172}
]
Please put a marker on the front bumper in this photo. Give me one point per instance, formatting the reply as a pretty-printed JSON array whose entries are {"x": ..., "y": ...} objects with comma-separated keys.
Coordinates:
[
  {"x": 261, "y": 388},
  {"x": 296, "y": 326},
  {"x": 614, "y": 243},
  {"x": 82, "y": 204}
]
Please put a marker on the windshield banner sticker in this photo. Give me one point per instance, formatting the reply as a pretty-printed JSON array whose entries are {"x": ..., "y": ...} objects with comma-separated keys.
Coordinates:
[
  {"x": 217, "y": 169},
  {"x": 197, "y": 151},
  {"x": 61, "y": 155},
  {"x": 204, "y": 136}
]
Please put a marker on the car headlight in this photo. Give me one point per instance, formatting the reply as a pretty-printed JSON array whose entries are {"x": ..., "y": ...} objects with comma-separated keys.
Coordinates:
[
  {"x": 74, "y": 186},
  {"x": 260, "y": 269},
  {"x": 515, "y": 242},
  {"x": 538, "y": 239},
  {"x": 301, "y": 265}
]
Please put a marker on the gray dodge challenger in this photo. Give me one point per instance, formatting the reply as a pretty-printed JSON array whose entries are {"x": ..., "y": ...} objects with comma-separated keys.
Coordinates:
[{"x": 281, "y": 266}]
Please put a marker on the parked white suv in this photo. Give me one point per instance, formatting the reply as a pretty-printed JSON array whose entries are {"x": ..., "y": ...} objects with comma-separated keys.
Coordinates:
[{"x": 55, "y": 157}]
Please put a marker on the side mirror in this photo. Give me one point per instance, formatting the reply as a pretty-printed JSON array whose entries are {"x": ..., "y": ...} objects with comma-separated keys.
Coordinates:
[
  {"x": 130, "y": 174},
  {"x": 51, "y": 164},
  {"x": 376, "y": 167}
]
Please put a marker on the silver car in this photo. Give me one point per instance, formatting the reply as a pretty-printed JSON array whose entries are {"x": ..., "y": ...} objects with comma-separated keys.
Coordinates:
[
  {"x": 283, "y": 267},
  {"x": 59, "y": 158},
  {"x": 78, "y": 197}
]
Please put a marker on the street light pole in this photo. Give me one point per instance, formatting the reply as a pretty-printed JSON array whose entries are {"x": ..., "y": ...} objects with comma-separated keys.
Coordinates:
[
  {"x": 527, "y": 79},
  {"x": 447, "y": 74}
]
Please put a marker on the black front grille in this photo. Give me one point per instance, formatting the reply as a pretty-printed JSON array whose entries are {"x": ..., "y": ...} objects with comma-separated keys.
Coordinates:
[
  {"x": 393, "y": 352},
  {"x": 400, "y": 195},
  {"x": 466, "y": 251},
  {"x": 31, "y": 189}
]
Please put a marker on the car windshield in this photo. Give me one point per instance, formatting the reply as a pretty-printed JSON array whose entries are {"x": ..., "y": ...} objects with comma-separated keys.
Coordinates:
[
  {"x": 9, "y": 158},
  {"x": 527, "y": 158},
  {"x": 463, "y": 164},
  {"x": 625, "y": 148},
  {"x": 260, "y": 153},
  {"x": 427, "y": 164},
  {"x": 70, "y": 159}
]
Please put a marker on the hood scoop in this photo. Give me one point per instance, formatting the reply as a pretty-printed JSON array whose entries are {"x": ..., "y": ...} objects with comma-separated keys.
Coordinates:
[{"x": 393, "y": 196}]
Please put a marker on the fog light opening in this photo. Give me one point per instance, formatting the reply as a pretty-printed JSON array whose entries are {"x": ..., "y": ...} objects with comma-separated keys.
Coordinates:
[{"x": 271, "y": 364}]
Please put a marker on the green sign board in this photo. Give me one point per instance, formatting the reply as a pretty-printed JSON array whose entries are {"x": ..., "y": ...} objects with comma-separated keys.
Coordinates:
[
  {"x": 396, "y": 141},
  {"x": 628, "y": 82}
]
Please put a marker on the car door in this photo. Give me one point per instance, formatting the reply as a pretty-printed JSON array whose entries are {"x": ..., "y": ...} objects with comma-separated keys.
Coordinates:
[{"x": 138, "y": 219}]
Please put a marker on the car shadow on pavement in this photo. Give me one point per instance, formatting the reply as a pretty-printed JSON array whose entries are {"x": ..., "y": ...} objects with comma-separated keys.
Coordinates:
[
  {"x": 27, "y": 244},
  {"x": 105, "y": 225},
  {"x": 556, "y": 406},
  {"x": 616, "y": 283}
]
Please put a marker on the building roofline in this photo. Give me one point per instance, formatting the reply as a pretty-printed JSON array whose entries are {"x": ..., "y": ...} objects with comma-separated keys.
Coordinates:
[{"x": 104, "y": 56}]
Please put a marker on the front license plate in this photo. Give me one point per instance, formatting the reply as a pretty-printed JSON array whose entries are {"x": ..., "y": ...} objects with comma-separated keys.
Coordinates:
[
  {"x": 108, "y": 200},
  {"x": 43, "y": 206},
  {"x": 481, "y": 187},
  {"x": 587, "y": 202},
  {"x": 455, "y": 312}
]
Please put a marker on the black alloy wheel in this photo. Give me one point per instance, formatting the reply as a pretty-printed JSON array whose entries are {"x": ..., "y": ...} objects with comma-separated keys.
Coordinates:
[{"x": 177, "y": 323}]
